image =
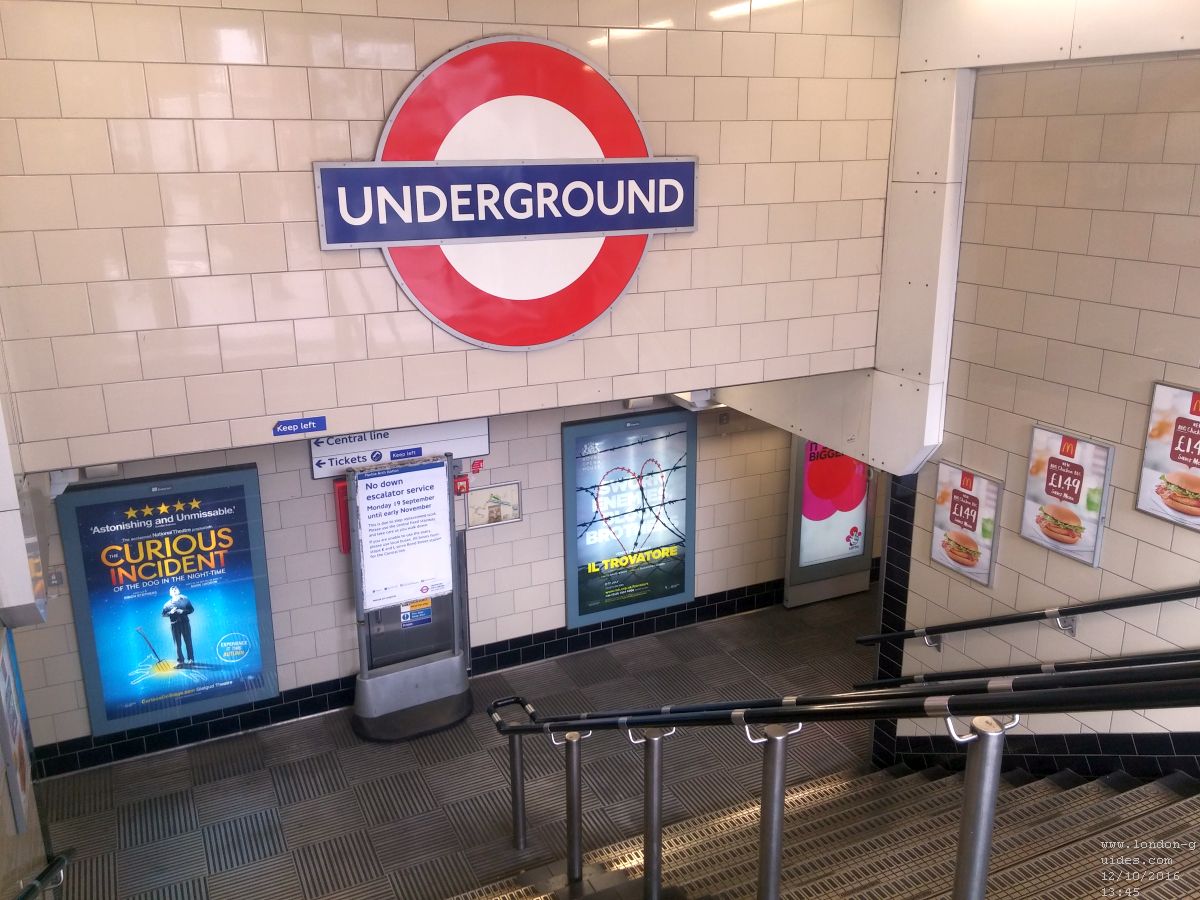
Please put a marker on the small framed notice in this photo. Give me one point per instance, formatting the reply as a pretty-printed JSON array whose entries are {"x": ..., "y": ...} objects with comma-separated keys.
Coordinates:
[
  {"x": 966, "y": 517},
  {"x": 1169, "y": 484},
  {"x": 1066, "y": 493},
  {"x": 494, "y": 504}
]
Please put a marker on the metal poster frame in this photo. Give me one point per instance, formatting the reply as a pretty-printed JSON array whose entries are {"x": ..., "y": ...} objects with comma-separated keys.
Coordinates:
[
  {"x": 1105, "y": 494},
  {"x": 993, "y": 541},
  {"x": 491, "y": 489},
  {"x": 1173, "y": 517},
  {"x": 86, "y": 495},
  {"x": 575, "y": 531}
]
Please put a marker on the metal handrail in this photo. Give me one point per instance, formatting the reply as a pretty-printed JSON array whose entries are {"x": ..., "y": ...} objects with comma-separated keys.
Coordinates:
[
  {"x": 50, "y": 878},
  {"x": 1132, "y": 674},
  {"x": 1140, "y": 687},
  {"x": 1128, "y": 602},
  {"x": 1080, "y": 665}
]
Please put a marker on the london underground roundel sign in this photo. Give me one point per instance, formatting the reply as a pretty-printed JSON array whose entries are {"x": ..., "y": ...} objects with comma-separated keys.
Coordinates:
[{"x": 513, "y": 193}]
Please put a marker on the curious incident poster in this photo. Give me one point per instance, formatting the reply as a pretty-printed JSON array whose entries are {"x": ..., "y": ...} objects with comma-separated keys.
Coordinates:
[{"x": 168, "y": 587}]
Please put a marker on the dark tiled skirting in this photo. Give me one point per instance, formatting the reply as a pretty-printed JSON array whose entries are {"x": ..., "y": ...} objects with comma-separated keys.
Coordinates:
[
  {"x": 85, "y": 752},
  {"x": 902, "y": 501},
  {"x": 558, "y": 641},
  {"x": 1141, "y": 755}
]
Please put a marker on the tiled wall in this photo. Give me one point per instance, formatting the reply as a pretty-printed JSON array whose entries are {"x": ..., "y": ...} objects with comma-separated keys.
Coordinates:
[
  {"x": 161, "y": 287},
  {"x": 1079, "y": 286},
  {"x": 515, "y": 571}
]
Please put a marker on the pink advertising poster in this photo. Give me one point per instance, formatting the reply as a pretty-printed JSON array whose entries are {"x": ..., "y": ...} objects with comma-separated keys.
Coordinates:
[
  {"x": 834, "y": 509},
  {"x": 966, "y": 516},
  {"x": 1169, "y": 485}
]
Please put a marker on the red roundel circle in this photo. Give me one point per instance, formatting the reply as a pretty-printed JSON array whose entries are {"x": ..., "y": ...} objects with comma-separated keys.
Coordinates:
[{"x": 514, "y": 98}]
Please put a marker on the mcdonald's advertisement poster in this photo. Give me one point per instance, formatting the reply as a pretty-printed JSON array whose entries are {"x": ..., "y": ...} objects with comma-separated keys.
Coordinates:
[
  {"x": 168, "y": 586},
  {"x": 630, "y": 510}
]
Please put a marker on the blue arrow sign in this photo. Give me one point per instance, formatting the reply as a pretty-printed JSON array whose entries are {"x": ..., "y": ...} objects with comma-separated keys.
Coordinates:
[{"x": 285, "y": 427}]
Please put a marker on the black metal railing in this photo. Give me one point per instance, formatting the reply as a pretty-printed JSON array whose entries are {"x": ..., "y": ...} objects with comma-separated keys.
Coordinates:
[
  {"x": 49, "y": 879},
  {"x": 1054, "y": 614},
  {"x": 1144, "y": 687},
  {"x": 1079, "y": 665}
]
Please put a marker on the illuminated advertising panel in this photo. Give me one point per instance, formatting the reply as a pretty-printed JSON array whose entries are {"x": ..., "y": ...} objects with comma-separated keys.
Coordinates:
[
  {"x": 834, "y": 507},
  {"x": 169, "y": 590},
  {"x": 1065, "y": 494},
  {"x": 629, "y": 487},
  {"x": 966, "y": 513},
  {"x": 1169, "y": 486}
]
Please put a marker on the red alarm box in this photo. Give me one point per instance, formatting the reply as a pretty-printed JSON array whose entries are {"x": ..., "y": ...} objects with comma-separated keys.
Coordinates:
[{"x": 341, "y": 498}]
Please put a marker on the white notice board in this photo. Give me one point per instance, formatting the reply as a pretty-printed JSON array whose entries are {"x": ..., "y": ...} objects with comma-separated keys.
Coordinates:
[{"x": 402, "y": 526}]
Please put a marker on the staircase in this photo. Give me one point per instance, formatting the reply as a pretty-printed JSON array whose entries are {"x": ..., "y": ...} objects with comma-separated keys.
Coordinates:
[{"x": 892, "y": 834}]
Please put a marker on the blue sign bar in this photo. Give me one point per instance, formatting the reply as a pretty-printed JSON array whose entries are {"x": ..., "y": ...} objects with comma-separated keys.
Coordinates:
[
  {"x": 285, "y": 427},
  {"x": 382, "y": 204},
  {"x": 407, "y": 453}
]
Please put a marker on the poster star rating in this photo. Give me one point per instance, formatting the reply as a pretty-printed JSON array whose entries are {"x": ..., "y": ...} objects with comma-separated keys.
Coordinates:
[{"x": 163, "y": 508}]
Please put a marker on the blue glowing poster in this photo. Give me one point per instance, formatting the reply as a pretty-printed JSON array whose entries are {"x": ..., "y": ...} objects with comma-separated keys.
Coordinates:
[
  {"x": 169, "y": 589},
  {"x": 629, "y": 503}
]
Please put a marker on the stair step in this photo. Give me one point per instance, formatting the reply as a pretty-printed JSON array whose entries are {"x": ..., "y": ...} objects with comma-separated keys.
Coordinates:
[
  {"x": 1081, "y": 859},
  {"x": 1013, "y": 843},
  {"x": 723, "y": 843},
  {"x": 816, "y": 794}
]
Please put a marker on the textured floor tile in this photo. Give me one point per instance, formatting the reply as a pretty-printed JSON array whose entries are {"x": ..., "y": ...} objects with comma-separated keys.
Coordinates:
[
  {"x": 546, "y": 798},
  {"x": 335, "y": 865},
  {"x": 226, "y": 758},
  {"x": 644, "y": 654},
  {"x": 72, "y": 796},
  {"x": 88, "y": 835},
  {"x": 538, "y": 679},
  {"x": 138, "y": 779},
  {"x": 717, "y": 669},
  {"x": 592, "y": 667},
  {"x": 567, "y": 700},
  {"x": 308, "y": 778},
  {"x": 341, "y": 732},
  {"x": 149, "y": 866},
  {"x": 295, "y": 740},
  {"x": 483, "y": 818},
  {"x": 463, "y": 777},
  {"x": 363, "y": 760},
  {"x": 628, "y": 815},
  {"x": 613, "y": 778},
  {"x": 155, "y": 818},
  {"x": 496, "y": 859},
  {"x": 316, "y": 820},
  {"x": 233, "y": 797},
  {"x": 539, "y": 757},
  {"x": 192, "y": 889},
  {"x": 598, "y": 830},
  {"x": 379, "y": 889},
  {"x": 434, "y": 879},
  {"x": 271, "y": 879},
  {"x": 395, "y": 797},
  {"x": 620, "y": 693},
  {"x": 709, "y": 793},
  {"x": 445, "y": 745},
  {"x": 244, "y": 840},
  {"x": 415, "y": 839},
  {"x": 91, "y": 878}
]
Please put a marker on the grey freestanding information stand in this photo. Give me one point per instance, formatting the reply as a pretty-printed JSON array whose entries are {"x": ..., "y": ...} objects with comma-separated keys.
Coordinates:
[{"x": 410, "y": 598}]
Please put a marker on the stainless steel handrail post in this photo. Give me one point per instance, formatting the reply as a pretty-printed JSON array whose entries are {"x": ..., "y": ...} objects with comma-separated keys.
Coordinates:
[
  {"x": 652, "y": 738},
  {"x": 516, "y": 774},
  {"x": 985, "y": 746},
  {"x": 573, "y": 740},
  {"x": 770, "y": 826}
]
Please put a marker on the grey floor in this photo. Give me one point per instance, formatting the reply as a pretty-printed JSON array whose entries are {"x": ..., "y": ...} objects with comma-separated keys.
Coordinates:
[{"x": 307, "y": 810}]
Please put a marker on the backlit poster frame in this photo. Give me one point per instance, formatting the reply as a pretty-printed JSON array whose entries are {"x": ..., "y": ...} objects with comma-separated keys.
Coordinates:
[
  {"x": 1056, "y": 477},
  {"x": 16, "y": 747},
  {"x": 167, "y": 565},
  {"x": 626, "y": 480},
  {"x": 1174, "y": 426},
  {"x": 970, "y": 501}
]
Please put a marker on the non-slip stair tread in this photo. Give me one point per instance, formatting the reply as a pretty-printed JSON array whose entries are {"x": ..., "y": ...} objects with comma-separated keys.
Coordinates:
[
  {"x": 809, "y": 795},
  {"x": 711, "y": 839},
  {"x": 940, "y": 848},
  {"x": 1012, "y": 844}
]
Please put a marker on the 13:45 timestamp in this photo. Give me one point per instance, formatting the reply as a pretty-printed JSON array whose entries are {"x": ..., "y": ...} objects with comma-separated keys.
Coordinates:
[{"x": 1120, "y": 892}]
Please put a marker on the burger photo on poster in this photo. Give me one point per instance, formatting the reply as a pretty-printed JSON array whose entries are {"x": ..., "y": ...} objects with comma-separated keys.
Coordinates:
[
  {"x": 1059, "y": 523},
  {"x": 1180, "y": 491},
  {"x": 961, "y": 548}
]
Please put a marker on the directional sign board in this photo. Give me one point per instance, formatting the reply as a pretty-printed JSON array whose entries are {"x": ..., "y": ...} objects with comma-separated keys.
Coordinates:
[{"x": 333, "y": 455}]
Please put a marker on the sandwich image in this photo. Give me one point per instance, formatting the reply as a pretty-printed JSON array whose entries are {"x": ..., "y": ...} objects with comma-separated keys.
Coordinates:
[
  {"x": 1181, "y": 492},
  {"x": 961, "y": 548},
  {"x": 1059, "y": 524}
]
